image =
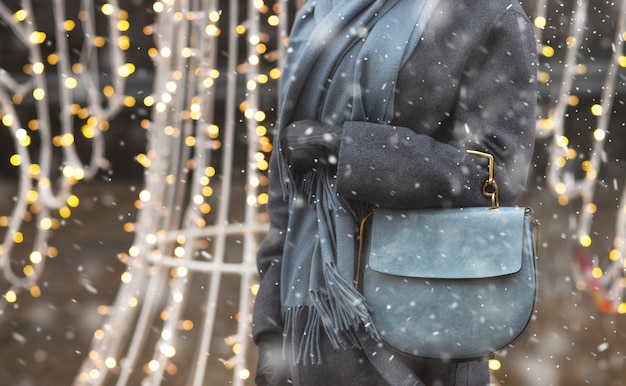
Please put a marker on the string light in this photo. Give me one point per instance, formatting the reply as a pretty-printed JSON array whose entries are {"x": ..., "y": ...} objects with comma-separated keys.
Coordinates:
[
  {"x": 35, "y": 196},
  {"x": 609, "y": 284},
  {"x": 180, "y": 233}
]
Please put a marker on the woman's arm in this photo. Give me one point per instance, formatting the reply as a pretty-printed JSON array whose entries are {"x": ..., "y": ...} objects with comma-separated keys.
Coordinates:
[
  {"x": 493, "y": 111},
  {"x": 267, "y": 315}
]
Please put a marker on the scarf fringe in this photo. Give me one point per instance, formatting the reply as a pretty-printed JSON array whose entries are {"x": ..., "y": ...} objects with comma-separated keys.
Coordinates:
[
  {"x": 309, "y": 184},
  {"x": 338, "y": 309},
  {"x": 348, "y": 308},
  {"x": 341, "y": 315},
  {"x": 319, "y": 186}
]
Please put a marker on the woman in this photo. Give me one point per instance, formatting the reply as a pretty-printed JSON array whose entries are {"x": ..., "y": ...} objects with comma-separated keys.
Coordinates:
[{"x": 379, "y": 101}]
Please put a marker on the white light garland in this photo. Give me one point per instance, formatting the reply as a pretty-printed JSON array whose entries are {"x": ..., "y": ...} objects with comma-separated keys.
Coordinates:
[
  {"x": 179, "y": 238},
  {"x": 609, "y": 282},
  {"x": 40, "y": 192}
]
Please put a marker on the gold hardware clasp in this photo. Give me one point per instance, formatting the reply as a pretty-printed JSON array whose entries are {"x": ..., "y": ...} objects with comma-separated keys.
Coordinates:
[{"x": 490, "y": 187}]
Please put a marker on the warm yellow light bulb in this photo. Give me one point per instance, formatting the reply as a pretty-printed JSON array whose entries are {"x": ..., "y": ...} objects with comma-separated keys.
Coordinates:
[
  {"x": 540, "y": 22},
  {"x": 38, "y": 68},
  {"x": 123, "y": 43},
  {"x": 599, "y": 135},
  {"x": 153, "y": 365},
  {"x": 107, "y": 9},
  {"x": 110, "y": 363},
  {"x": 10, "y": 296},
  {"x": 69, "y": 25},
  {"x": 20, "y": 15},
  {"x": 70, "y": 83},
  {"x": 244, "y": 374},
  {"x": 585, "y": 240},
  {"x": 39, "y": 94},
  {"x": 494, "y": 365},
  {"x": 18, "y": 237},
  {"x": 44, "y": 224},
  {"x": 15, "y": 160},
  {"x": 126, "y": 277},
  {"x": 596, "y": 110},
  {"x": 547, "y": 51},
  {"x": 37, "y": 37},
  {"x": 123, "y": 25}
]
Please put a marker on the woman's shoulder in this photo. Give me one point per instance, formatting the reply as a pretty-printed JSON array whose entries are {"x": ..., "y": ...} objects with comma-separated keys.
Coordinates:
[
  {"x": 487, "y": 5},
  {"x": 472, "y": 19},
  {"x": 479, "y": 10}
]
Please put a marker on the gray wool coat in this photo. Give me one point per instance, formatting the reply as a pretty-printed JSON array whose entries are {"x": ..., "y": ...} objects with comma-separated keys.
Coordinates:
[{"x": 470, "y": 84}]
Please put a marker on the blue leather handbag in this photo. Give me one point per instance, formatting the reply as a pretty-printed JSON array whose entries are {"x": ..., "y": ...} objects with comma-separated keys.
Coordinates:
[{"x": 454, "y": 284}]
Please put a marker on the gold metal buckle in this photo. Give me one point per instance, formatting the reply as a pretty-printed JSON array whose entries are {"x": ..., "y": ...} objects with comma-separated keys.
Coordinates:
[{"x": 490, "y": 187}]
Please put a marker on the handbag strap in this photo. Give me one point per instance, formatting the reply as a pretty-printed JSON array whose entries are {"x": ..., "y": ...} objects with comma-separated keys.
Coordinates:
[
  {"x": 357, "y": 273},
  {"x": 490, "y": 187},
  {"x": 391, "y": 368}
]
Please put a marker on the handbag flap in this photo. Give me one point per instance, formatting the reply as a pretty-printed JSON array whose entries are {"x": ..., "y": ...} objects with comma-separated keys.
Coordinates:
[{"x": 455, "y": 243}]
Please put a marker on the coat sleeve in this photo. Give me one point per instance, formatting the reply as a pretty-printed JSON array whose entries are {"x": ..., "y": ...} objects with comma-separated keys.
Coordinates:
[
  {"x": 493, "y": 110},
  {"x": 267, "y": 316}
]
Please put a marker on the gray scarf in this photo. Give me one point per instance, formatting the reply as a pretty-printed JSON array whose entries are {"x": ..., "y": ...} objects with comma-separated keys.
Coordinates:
[{"x": 342, "y": 65}]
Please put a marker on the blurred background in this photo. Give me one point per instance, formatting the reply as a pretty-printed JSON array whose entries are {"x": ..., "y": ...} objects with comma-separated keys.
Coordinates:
[{"x": 134, "y": 141}]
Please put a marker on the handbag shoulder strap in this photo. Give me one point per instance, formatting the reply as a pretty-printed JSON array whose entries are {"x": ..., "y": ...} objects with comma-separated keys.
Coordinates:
[{"x": 392, "y": 369}]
